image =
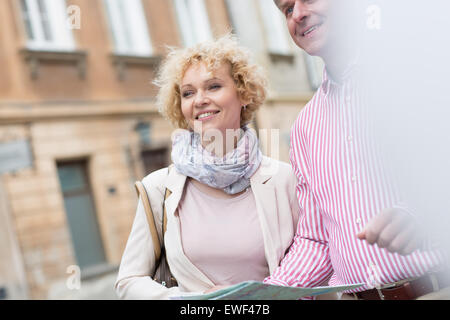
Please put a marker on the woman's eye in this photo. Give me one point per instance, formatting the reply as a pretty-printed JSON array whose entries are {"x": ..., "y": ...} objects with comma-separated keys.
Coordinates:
[
  {"x": 214, "y": 86},
  {"x": 186, "y": 94}
]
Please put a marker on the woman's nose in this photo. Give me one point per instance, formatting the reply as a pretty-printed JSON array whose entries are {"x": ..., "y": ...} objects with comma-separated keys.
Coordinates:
[{"x": 201, "y": 99}]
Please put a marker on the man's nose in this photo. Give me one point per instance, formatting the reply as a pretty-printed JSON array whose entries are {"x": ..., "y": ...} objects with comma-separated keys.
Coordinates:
[{"x": 300, "y": 11}]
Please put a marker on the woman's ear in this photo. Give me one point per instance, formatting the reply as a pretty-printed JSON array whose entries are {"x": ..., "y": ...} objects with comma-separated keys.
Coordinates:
[{"x": 244, "y": 102}]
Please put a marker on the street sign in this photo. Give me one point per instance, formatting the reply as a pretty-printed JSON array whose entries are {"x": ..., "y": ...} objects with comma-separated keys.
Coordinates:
[{"x": 15, "y": 155}]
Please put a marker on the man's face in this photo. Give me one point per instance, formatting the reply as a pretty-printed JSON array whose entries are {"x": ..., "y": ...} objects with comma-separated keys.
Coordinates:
[{"x": 308, "y": 23}]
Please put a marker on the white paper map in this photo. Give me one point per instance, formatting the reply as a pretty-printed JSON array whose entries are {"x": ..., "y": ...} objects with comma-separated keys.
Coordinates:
[{"x": 253, "y": 290}]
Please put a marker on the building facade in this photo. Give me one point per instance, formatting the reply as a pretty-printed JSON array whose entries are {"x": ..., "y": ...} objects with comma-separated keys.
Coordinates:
[{"x": 78, "y": 124}]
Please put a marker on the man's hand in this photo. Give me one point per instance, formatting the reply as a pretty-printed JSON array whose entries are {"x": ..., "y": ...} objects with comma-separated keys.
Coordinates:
[{"x": 393, "y": 229}]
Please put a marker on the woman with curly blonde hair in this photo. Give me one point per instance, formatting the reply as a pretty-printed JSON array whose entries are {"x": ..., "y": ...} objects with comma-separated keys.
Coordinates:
[{"x": 230, "y": 215}]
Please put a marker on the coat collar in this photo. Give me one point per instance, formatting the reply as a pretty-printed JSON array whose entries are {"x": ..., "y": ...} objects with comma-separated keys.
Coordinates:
[{"x": 264, "y": 172}]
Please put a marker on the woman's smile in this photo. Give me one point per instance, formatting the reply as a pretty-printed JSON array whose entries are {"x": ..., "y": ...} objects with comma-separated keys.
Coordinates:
[{"x": 206, "y": 115}]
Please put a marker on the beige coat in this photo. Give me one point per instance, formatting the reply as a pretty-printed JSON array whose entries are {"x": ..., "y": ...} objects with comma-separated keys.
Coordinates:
[{"x": 273, "y": 186}]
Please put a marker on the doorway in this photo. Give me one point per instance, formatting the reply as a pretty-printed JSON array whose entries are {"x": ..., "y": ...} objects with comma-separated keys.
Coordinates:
[{"x": 81, "y": 214}]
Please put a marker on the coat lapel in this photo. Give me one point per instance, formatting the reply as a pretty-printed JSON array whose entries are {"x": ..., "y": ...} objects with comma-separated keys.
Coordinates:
[
  {"x": 266, "y": 205},
  {"x": 175, "y": 183}
]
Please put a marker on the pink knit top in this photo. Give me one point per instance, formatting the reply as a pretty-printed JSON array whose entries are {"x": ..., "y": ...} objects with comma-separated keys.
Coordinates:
[{"x": 222, "y": 237}]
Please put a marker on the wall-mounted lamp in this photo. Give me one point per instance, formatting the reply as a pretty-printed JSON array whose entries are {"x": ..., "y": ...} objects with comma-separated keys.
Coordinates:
[{"x": 144, "y": 131}]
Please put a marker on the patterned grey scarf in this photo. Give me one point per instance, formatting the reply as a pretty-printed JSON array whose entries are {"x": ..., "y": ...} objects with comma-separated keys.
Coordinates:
[{"x": 231, "y": 173}]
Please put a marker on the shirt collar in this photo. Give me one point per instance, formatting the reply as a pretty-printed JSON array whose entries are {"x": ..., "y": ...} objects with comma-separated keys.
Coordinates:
[{"x": 349, "y": 72}]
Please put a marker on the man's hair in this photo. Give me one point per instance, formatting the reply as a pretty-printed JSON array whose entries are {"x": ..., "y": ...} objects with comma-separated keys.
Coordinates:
[{"x": 249, "y": 78}]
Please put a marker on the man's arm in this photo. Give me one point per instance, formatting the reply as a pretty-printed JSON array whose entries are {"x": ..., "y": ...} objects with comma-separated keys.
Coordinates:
[{"x": 307, "y": 263}]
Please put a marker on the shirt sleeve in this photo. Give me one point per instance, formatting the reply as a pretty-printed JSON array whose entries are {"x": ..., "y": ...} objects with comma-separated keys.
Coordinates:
[{"x": 307, "y": 262}]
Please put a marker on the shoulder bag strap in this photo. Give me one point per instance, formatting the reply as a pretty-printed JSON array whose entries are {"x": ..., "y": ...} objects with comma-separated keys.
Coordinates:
[
  {"x": 142, "y": 192},
  {"x": 157, "y": 242}
]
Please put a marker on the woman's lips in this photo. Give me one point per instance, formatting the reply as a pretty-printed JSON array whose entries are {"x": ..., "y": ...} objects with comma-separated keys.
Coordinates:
[{"x": 206, "y": 115}]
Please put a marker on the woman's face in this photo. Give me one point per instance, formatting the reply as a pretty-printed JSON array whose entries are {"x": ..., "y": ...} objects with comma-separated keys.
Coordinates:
[{"x": 209, "y": 100}]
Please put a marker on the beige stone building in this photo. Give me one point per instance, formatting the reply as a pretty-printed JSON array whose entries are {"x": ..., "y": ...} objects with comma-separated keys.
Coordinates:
[{"x": 78, "y": 124}]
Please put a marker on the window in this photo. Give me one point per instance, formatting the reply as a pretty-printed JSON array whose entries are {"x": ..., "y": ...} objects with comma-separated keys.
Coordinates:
[
  {"x": 155, "y": 159},
  {"x": 193, "y": 21},
  {"x": 275, "y": 28},
  {"x": 128, "y": 27},
  {"x": 46, "y": 25},
  {"x": 246, "y": 24}
]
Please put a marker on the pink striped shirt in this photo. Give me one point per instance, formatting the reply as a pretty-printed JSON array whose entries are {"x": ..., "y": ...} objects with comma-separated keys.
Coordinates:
[{"x": 341, "y": 187}]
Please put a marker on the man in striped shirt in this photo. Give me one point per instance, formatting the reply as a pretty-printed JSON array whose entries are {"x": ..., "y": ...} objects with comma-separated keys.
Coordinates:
[{"x": 353, "y": 227}]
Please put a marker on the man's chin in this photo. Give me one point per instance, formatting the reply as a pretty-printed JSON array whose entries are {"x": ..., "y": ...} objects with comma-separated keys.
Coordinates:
[
  {"x": 315, "y": 52},
  {"x": 313, "y": 49}
]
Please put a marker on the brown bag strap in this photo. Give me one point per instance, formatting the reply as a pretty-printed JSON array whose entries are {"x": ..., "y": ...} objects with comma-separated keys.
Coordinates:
[
  {"x": 157, "y": 242},
  {"x": 142, "y": 192}
]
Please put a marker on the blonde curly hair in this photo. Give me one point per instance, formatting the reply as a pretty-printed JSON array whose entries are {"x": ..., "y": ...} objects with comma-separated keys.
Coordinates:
[{"x": 249, "y": 78}]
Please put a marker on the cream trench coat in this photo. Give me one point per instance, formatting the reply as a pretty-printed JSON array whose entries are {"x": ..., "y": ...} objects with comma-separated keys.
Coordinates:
[{"x": 274, "y": 189}]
